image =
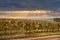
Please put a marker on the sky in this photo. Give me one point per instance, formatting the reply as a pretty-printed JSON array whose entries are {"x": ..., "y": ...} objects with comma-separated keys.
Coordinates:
[
  {"x": 18, "y": 5},
  {"x": 30, "y": 5}
]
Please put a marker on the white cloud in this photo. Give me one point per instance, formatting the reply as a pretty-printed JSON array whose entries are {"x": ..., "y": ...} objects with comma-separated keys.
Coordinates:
[{"x": 29, "y": 14}]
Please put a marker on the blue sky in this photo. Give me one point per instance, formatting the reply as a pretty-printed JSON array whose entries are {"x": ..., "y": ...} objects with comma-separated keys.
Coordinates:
[{"x": 29, "y": 4}]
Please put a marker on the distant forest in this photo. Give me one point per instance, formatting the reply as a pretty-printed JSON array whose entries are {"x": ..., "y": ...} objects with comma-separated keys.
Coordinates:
[{"x": 57, "y": 19}]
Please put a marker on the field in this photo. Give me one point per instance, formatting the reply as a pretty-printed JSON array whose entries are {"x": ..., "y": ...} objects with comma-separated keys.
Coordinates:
[{"x": 19, "y": 28}]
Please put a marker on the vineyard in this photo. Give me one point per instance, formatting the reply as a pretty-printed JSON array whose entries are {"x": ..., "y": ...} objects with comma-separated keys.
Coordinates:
[{"x": 19, "y": 28}]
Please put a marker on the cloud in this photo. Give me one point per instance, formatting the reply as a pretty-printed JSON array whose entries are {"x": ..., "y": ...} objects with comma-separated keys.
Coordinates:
[{"x": 30, "y": 14}]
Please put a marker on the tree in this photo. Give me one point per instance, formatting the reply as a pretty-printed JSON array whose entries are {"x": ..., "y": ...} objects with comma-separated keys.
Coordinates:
[{"x": 57, "y": 19}]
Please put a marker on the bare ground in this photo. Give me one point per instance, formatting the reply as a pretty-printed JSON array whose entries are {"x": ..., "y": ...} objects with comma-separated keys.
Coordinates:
[{"x": 55, "y": 37}]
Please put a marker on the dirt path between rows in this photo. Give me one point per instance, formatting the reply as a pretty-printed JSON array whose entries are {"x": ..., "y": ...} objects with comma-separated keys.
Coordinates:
[{"x": 55, "y": 37}]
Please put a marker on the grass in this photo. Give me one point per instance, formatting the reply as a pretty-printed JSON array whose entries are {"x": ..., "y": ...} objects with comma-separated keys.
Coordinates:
[
  {"x": 9, "y": 32},
  {"x": 22, "y": 35},
  {"x": 17, "y": 34}
]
